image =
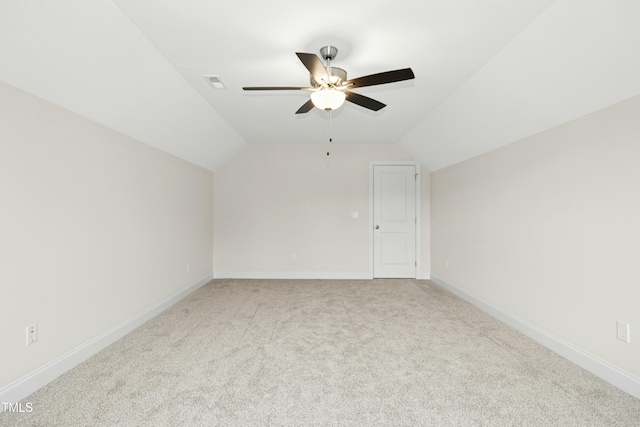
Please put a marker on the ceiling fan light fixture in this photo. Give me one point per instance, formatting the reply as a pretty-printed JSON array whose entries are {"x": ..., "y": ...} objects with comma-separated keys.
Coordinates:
[{"x": 328, "y": 99}]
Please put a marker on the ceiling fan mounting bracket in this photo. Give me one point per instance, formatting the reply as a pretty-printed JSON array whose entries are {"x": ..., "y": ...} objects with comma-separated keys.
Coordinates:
[{"x": 329, "y": 53}]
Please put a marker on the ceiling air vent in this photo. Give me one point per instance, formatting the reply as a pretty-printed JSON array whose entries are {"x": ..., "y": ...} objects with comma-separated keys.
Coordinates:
[{"x": 215, "y": 81}]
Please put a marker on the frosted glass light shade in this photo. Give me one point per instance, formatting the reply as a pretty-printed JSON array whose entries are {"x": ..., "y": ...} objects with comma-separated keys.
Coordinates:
[{"x": 328, "y": 99}]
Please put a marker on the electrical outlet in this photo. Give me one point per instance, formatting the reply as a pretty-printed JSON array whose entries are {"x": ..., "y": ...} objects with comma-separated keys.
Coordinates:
[
  {"x": 446, "y": 264},
  {"x": 623, "y": 332},
  {"x": 32, "y": 333},
  {"x": 293, "y": 257},
  {"x": 188, "y": 268}
]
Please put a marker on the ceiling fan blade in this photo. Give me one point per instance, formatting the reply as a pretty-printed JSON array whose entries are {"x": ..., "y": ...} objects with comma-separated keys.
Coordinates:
[
  {"x": 380, "y": 78},
  {"x": 364, "y": 101},
  {"x": 314, "y": 65},
  {"x": 306, "y": 107},
  {"x": 275, "y": 88}
]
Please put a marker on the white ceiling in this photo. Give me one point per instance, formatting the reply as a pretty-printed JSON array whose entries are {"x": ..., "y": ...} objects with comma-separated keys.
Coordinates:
[{"x": 488, "y": 72}]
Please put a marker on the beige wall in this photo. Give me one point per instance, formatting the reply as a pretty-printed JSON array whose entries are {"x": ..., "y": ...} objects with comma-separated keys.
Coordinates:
[
  {"x": 94, "y": 228},
  {"x": 548, "y": 229},
  {"x": 275, "y": 201}
]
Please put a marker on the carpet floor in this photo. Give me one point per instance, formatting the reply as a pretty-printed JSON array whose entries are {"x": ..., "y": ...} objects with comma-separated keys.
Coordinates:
[{"x": 290, "y": 352}]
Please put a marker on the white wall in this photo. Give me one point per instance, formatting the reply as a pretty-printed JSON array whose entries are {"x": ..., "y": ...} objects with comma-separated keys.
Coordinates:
[
  {"x": 273, "y": 201},
  {"x": 425, "y": 223},
  {"x": 548, "y": 229},
  {"x": 94, "y": 228}
]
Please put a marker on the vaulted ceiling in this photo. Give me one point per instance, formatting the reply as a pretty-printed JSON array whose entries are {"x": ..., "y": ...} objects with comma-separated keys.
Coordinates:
[{"x": 488, "y": 72}]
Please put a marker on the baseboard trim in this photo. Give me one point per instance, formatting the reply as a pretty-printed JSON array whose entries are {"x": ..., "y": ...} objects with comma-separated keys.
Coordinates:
[
  {"x": 296, "y": 275},
  {"x": 303, "y": 275},
  {"x": 23, "y": 387},
  {"x": 608, "y": 372}
]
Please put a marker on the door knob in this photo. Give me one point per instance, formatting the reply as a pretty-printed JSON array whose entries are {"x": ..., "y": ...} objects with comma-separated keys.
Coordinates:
[{"x": 377, "y": 226}]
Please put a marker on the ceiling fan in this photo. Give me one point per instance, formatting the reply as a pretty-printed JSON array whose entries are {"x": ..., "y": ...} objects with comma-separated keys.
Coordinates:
[{"x": 330, "y": 87}]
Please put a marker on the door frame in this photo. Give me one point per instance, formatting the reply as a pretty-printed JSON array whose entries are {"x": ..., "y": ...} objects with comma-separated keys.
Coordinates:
[{"x": 418, "y": 203}]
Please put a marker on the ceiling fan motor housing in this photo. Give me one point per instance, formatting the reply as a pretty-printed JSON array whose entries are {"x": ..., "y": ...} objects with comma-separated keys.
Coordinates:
[{"x": 337, "y": 76}]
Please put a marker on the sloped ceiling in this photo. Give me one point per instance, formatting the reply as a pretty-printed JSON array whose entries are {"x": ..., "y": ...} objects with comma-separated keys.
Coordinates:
[{"x": 488, "y": 72}]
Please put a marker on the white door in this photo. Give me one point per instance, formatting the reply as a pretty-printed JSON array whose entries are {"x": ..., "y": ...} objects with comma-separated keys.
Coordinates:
[{"x": 394, "y": 221}]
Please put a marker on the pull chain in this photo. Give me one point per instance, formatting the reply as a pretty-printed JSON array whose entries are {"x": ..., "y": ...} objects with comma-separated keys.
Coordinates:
[
  {"x": 330, "y": 139},
  {"x": 330, "y": 84}
]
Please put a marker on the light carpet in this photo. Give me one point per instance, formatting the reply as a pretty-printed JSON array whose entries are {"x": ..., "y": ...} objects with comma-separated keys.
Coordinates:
[{"x": 272, "y": 352}]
